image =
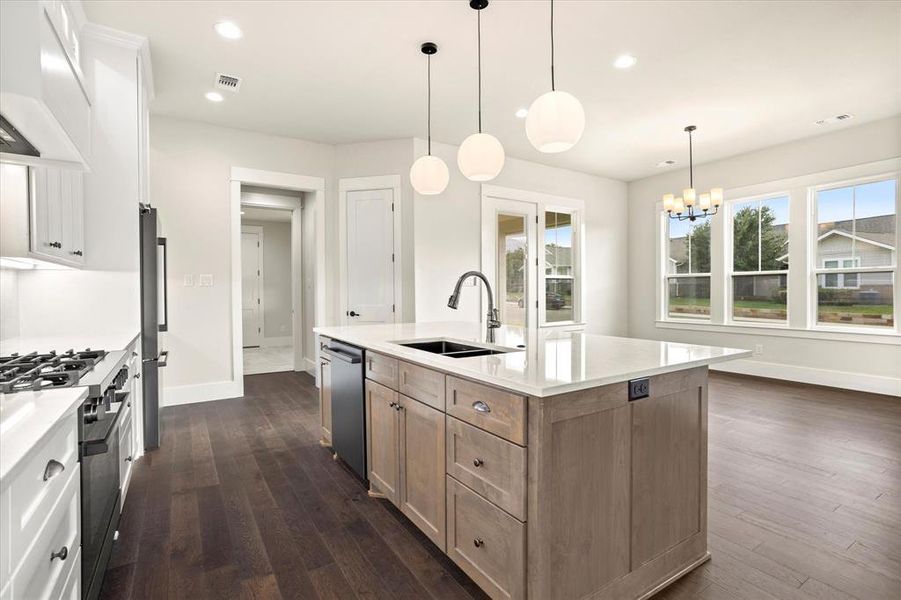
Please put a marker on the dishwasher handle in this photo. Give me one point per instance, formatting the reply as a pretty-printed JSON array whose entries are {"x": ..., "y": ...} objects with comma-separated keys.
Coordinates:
[{"x": 340, "y": 355}]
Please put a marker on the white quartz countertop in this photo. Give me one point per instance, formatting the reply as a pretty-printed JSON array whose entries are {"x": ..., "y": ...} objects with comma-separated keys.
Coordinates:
[
  {"x": 27, "y": 417},
  {"x": 553, "y": 361},
  {"x": 61, "y": 343}
]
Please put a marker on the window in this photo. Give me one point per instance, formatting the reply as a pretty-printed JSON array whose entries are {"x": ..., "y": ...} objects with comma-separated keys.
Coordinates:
[
  {"x": 760, "y": 259},
  {"x": 688, "y": 269},
  {"x": 559, "y": 273},
  {"x": 855, "y": 254}
]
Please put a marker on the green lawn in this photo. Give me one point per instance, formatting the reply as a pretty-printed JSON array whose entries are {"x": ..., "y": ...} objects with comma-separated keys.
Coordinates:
[{"x": 879, "y": 309}]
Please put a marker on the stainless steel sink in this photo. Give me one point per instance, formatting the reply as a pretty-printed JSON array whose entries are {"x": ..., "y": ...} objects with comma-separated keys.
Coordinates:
[{"x": 453, "y": 349}]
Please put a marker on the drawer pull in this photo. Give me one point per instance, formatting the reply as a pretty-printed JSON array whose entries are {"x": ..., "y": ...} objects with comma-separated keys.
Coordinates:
[
  {"x": 62, "y": 554},
  {"x": 53, "y": 468},
  {"x": 478, "y": 543},
  {"x": 481, "y": 407},
  {"x": 478, "y": 462},
  {"x": 127, "y": 459}
]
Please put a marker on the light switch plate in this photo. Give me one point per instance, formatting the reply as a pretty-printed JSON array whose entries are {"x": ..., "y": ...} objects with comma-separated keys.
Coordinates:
[
  {"x": 189, "y": 281},
  {"x": 205, "y": 280}
]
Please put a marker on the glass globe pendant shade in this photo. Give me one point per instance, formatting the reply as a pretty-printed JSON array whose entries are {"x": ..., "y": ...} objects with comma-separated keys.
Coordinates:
[
  {"x": 555, "y": 122},
  {"x": 481, "y": 157},
  {"x": 429, "y": 175}
]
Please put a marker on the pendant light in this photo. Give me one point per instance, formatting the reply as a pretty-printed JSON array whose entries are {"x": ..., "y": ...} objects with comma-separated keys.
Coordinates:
[
  {"x": 481, "y": 155},
  {"x": 429, "y": 175},
  {"x": 684, "y": 205},
  {"x": 556, "y": 119}
]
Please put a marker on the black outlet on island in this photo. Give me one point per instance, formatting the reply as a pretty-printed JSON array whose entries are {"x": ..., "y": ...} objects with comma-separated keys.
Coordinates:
[{"x": 639, "y": 388}]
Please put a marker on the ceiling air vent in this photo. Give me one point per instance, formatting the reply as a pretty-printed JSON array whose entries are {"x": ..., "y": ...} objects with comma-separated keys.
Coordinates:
[
  {"x": 228, "y": 82},
  {"x": 835, "y": 119}
]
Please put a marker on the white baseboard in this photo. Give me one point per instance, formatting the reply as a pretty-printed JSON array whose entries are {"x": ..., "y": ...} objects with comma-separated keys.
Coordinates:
[
  {"x": 876, "y": 384},
  {"x": 202, "y": 392},
  {"x": 268, "y": 342}
]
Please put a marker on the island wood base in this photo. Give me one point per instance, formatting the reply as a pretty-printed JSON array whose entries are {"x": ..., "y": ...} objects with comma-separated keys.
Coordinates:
[{"x": 580, "y": 495}]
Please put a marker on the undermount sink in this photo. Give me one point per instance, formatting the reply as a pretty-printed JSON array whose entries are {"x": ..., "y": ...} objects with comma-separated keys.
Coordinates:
[{"x": 453, "y": 349}]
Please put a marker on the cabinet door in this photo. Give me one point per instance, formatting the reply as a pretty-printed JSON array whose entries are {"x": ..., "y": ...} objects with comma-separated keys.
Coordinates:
[
  {"x": 72, "y": 199},
  {"x": 669, "y": 464},
  {"x": 422, "y": 460},
  {"x": 382, "y": 440},
  {"x": 47, "y": 212},
  {"x": 325, "y": 401}
]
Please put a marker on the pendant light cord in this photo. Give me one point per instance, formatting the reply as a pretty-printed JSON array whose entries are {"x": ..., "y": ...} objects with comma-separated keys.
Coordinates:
[
  {"x": 553, "y": 87},
  {"x": 691, "y": 166},
  {"x": 429, "y": 101},
  {"x": 479, "y": 33}
]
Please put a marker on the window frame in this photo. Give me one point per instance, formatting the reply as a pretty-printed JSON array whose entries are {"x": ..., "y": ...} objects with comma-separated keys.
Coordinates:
[
  {"x": 815, "y": 270},
  {"x": 667, "y": 276},
  {"x": 803, "y": 268},
  {"x": 729, "y": 261}
]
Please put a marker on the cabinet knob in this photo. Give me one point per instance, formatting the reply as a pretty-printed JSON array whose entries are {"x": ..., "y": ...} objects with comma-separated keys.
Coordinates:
[
  {"x": 478, "y": 462},
  {"x": 127, "y": 459},
  {"x": 393, "y": 405},
  {"x": 53, "y": 468},
  {"x": 55, "y": 245},
  {"x": 78, "y": 253},
  {"x": 478, "y": 543},
  {"x": 137, "y": 375},
  {"x": 62, "y": 554}
]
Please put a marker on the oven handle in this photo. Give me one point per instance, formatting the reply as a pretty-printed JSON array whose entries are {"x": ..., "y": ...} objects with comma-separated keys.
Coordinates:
[{"x": 95, "y": 447}]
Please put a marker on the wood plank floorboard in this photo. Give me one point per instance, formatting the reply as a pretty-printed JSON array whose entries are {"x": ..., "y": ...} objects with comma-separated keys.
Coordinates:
[{"x": 241, "y": 501}]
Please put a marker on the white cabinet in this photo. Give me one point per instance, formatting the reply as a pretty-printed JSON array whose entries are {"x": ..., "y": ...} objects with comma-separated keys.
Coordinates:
[
  {"x": 42, "y": 88},
  {"x": 43, "y": 214}
]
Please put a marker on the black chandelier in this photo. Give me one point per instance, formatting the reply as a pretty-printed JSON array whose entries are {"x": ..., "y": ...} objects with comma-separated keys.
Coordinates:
[{"x": 690, "y": 205}]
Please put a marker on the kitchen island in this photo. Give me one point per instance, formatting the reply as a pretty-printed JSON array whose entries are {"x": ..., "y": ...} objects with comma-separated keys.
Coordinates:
[{"x": 549, "y": 464}]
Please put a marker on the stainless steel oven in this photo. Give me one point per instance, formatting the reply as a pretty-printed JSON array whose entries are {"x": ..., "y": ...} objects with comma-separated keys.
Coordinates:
[{"x": 99, "y": 486}]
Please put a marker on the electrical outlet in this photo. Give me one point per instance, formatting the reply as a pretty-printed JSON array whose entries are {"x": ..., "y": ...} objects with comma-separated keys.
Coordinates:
[
  {"x": 639, "y": 388},
  {"x": 205, "y": 280},
  {"x": 189, "y": 281},
  {"x": 758, "y": 350}
]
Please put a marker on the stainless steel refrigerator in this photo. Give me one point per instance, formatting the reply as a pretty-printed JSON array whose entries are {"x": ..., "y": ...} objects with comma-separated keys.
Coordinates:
[{"x": 154, "y": 320}]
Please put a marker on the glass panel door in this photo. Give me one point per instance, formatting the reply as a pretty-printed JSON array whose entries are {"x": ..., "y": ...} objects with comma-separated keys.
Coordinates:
[{"x": 512, "y": 269}]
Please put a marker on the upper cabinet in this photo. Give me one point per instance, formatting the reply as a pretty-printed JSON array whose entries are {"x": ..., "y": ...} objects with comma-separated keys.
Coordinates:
[
  {"x": 43, "y": 214},
  {"x": 43, "y": 92}
]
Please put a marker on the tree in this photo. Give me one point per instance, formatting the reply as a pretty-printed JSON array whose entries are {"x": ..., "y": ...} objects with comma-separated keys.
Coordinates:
[
  {"x": 697, "y": 243},
  {"x": 745, "y": 230}
]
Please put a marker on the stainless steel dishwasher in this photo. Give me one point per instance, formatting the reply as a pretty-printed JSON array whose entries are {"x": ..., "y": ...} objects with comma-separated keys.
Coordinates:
[{"x": 348, "y": 405}]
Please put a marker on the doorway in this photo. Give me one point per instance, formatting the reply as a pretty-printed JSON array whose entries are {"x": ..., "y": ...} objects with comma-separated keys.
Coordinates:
[{"x": 267, "y": 320}]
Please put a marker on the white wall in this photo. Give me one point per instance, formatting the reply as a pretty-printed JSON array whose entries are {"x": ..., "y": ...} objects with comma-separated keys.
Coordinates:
[
  {"x": 447, "y": 232},
  {"x": 190, "y": 168},
  {"x": 815, "y": 360},
  {"x": 9, "y": 304},
  {"x": 276, "y": 251},
  {"x": 308, "y": 272}
]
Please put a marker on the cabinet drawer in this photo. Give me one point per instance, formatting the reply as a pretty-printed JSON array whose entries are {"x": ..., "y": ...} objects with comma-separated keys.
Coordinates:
[
  {"x": 72, "y": 588},
  {"x": 502, "y": 413},
  {"x": 126, "y": 455},
  {"x": 40, "y": 482},
  {"x": 487, "y": 543},
  {"x": 382, "y": 369},
  {"x": 494, "y": 468},
  {"x": 421, "y": 384},
  {"x": 39, "y": 575}
]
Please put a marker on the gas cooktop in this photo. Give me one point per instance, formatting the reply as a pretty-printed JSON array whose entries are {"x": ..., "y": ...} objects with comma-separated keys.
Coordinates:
[{"x": 35, "y": 371}]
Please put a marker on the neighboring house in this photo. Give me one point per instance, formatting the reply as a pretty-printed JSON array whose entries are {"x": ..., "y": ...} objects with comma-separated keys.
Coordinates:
[{"x": 558, "y": 261}]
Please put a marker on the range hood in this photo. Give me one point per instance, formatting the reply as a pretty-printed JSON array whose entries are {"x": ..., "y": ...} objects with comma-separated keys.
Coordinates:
[{"x": 13, "y": 142}]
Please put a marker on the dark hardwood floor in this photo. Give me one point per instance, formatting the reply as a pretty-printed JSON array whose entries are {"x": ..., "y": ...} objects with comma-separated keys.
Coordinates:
[{"x": 242, "y": 502}]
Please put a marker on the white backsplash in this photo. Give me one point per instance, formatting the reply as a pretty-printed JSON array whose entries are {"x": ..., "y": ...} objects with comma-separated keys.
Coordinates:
[{"x": 9, "y": 304}]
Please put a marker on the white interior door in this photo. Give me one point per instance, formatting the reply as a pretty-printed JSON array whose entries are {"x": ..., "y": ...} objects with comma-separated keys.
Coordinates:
[
  {"x": 370, "y": 257},
  {"x": 509, "y": 255},
  {"x": 251, "y": 271}
]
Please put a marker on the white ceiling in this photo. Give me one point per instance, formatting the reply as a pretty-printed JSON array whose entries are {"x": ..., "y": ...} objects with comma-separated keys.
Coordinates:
[
  {"x": 253, "y": 213},
  {"x": 749, "y": 74}
]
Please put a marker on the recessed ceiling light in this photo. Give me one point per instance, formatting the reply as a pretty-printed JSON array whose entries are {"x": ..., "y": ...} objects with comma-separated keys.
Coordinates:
[
  {"x": 522, "y": 113},
  {"x": 665, "y": 164},
  {"x": 228, "y": 30},
  {"x": 625, "y": 61},
  {"x": 214, "y": 96}
]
